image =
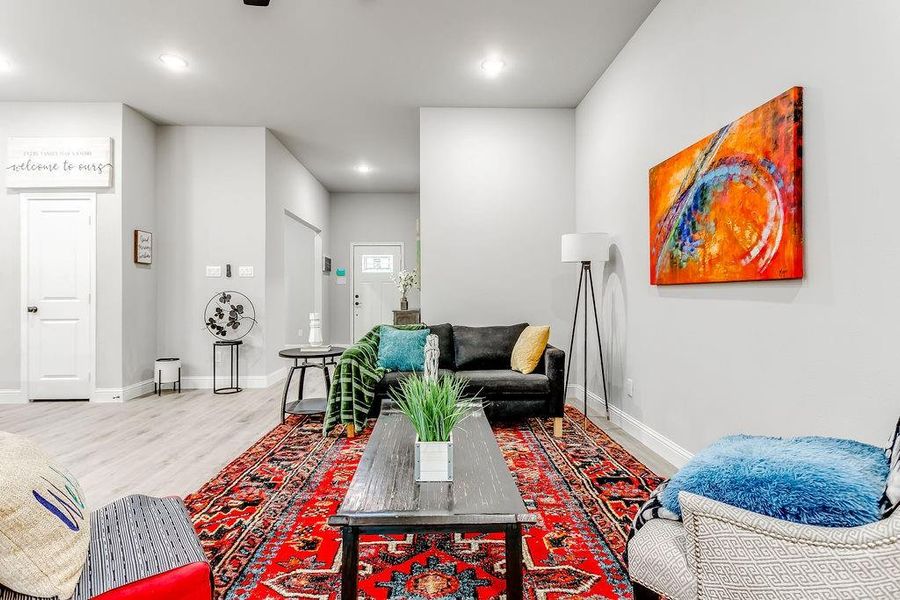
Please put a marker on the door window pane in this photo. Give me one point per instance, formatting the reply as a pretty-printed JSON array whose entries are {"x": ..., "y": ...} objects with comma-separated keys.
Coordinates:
[{"x": 377, "y": 263}]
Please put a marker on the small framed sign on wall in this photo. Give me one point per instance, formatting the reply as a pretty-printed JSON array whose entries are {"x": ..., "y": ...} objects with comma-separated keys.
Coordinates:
[{"x": 143, "y": 247}]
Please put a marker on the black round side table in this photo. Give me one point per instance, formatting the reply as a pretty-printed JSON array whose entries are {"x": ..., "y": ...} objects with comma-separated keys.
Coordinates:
[
  {"x": 234, "y": 366},
  {"x": 307, "y": 406}
]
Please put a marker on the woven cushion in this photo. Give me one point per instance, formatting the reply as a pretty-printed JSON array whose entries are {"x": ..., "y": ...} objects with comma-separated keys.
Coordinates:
[
  {"x": 44, "y": 527},
  {"x": 891, "y": 497},
  {"x": 657, "y": 558}
]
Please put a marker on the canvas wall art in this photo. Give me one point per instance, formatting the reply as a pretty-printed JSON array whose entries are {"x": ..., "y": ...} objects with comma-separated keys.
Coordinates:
[{"x": 729, "y": 208}]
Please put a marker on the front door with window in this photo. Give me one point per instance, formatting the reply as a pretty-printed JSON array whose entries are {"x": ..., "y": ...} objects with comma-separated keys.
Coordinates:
[
  {"x": 58, "y": 296},
  {"x": 374, "y": 294}
]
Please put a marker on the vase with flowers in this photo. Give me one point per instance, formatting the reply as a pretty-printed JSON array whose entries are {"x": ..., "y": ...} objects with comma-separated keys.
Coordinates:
[{"x": 405, "y": 280}]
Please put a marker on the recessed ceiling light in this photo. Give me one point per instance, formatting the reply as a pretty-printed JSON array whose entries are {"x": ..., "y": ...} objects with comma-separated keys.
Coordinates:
[
  {"x": 492, "y": 67},
  {"x": 363, "y": 168},
  {"x": 173, "y": 61}
]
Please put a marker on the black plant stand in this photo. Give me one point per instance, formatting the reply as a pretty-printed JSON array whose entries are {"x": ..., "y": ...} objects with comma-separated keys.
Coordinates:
[{"x": 234, "y": 364}]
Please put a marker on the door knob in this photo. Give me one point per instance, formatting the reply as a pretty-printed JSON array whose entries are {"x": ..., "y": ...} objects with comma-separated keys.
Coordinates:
[{"x": 32, "y": 309}]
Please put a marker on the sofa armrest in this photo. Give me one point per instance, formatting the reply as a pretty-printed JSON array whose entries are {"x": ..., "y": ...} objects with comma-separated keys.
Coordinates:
[
  {"x": 736, "y": 553},
  {"x": 555, "y": 370}
]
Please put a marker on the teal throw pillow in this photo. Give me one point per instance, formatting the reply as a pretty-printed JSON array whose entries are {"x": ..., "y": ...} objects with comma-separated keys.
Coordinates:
[{"x": 402, "y": 350}]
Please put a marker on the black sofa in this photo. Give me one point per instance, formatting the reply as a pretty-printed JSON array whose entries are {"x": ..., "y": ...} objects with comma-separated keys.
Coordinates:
[{"x": 482, "y": 356}]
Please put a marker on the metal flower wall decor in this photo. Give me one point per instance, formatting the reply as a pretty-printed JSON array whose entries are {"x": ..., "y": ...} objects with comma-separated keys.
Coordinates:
[{"x": 229, "y": 315}]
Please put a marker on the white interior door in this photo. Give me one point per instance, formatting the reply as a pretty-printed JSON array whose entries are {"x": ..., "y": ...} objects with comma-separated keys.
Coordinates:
[
  {"x": 59, "y": 270},
  {"x": 374, "y": 294}
]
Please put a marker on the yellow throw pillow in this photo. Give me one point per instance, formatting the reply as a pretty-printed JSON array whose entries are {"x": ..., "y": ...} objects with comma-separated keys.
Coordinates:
[{"x": 530, "y": 348}]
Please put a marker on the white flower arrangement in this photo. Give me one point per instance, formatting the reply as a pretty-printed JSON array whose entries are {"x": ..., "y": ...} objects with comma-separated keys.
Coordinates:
[{"x": 405, "y": 280}]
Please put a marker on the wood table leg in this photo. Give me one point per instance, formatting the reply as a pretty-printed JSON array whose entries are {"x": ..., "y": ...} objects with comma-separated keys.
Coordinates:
[
  {"x": 557, "y": 427},
  {"x": 349, "y": 562},
  {"x": 514, "y": 562},
  {"x": 350, "y": 428}
]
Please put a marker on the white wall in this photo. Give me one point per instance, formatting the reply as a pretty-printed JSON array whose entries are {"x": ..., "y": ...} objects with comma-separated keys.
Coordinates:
[
  {"x": 139, "y": 282},
  {"x": 49, "y": 119},
  {"x": 289, "y": 187},
  {"x": 360, "y": 218},
  {"x": 211, "y": 210},
  {"x": 497, "y": 192},
  {"x": 817, "y": 356}
]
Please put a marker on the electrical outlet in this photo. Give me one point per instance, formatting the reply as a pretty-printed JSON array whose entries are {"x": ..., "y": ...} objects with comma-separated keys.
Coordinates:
[
  {"x": 213, "y": 270},
  {"x": 629, "y": 388},
  {"x": 245, "y": 271}
]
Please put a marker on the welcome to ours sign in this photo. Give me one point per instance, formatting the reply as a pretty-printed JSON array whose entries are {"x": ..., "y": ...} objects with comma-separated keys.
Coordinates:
[{"x": 58, "y": 162}]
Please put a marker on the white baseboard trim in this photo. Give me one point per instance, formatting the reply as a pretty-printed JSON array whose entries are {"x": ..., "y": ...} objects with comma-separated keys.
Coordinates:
[
  {"x": 204, "y": 382},
  {"x": 124, "y": 394},
  {"x": 138, "y": 389},
  {"x": 108, "y": 395},
  {"x": 12, "y": 397},
  {"x": 646, "y": 435}
]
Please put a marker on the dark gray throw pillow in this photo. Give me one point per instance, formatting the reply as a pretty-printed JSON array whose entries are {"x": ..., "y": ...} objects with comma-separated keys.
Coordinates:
[
  {"x": 477, "y": 348},
  {"x": 444, "y": 332}
]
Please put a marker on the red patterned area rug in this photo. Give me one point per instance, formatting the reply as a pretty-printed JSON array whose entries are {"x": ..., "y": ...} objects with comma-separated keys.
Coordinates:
[{"x": 262, "y": 521}]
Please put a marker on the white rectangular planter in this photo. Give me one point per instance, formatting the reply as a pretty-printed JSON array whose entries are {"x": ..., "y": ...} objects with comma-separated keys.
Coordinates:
[{"x": 434, "y": 460}]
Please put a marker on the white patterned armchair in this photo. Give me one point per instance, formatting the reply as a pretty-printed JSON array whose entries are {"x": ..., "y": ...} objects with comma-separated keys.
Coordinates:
[{"x": 723, "y": 552}]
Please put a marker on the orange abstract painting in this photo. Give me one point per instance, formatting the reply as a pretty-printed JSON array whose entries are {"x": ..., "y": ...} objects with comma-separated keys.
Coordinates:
[{"x": 728, "y": 208}]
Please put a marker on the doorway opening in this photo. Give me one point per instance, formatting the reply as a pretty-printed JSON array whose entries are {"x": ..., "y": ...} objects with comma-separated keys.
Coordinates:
[{"x": 302, "y": 277}]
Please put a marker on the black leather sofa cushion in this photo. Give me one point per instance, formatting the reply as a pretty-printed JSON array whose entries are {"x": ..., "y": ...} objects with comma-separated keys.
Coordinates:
[
  {"x": 487, "y": 383},
  {"x": 391, "y": 379},
  {"x": 483, "y": 348},
  {"x": 445, "y": 344}
]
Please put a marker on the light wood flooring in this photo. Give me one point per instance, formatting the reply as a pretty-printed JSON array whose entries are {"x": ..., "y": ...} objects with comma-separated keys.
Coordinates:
[{"x": 174, "y": 444}]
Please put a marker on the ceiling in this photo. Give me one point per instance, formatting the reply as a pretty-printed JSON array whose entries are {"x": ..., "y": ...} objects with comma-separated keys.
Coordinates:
[{"x": 338, "y": 81}]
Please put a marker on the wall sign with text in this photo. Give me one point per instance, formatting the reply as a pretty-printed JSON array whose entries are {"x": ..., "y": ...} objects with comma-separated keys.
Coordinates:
[
  {"x": 143, "y": 247},
  {"x": 59, "y": 162}
]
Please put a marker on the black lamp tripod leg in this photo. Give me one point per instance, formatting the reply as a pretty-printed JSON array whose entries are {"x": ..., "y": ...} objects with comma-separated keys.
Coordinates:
[
  {"x": 574, "y": 324},
  {"x": 599, "y": 343},
  {"x": 586, "y": 272}
]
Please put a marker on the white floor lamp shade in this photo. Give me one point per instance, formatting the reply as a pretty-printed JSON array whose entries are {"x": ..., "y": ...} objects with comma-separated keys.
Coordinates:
[{"x": 585, "y": 247}]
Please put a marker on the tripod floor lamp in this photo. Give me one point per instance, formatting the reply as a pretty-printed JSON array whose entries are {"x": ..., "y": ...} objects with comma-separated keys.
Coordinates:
[{"x": 586, "y": 248}]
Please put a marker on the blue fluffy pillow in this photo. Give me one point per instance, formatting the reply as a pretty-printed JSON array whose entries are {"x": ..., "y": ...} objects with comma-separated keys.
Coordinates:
[
  {"x": 812, "y": 480},
  {"x": 402, "y": 349}
]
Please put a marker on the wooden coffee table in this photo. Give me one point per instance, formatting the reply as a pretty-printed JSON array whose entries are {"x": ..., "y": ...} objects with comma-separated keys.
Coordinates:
[{"x": 384, "y": 498}]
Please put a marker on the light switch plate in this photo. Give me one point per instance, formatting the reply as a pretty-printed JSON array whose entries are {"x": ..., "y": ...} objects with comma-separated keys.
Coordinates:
[
  {"x": 245, "y": 271},
  {"x": 629, "y": 387},
  {"x": 213, "y": 270}
]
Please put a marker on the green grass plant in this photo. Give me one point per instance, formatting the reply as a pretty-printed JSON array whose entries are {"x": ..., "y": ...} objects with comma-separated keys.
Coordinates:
[{"x": 433, "y": 407}]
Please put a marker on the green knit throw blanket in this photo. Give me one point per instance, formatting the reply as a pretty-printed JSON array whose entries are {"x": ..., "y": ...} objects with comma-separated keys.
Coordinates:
[{"x": 353, "y": 383}]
